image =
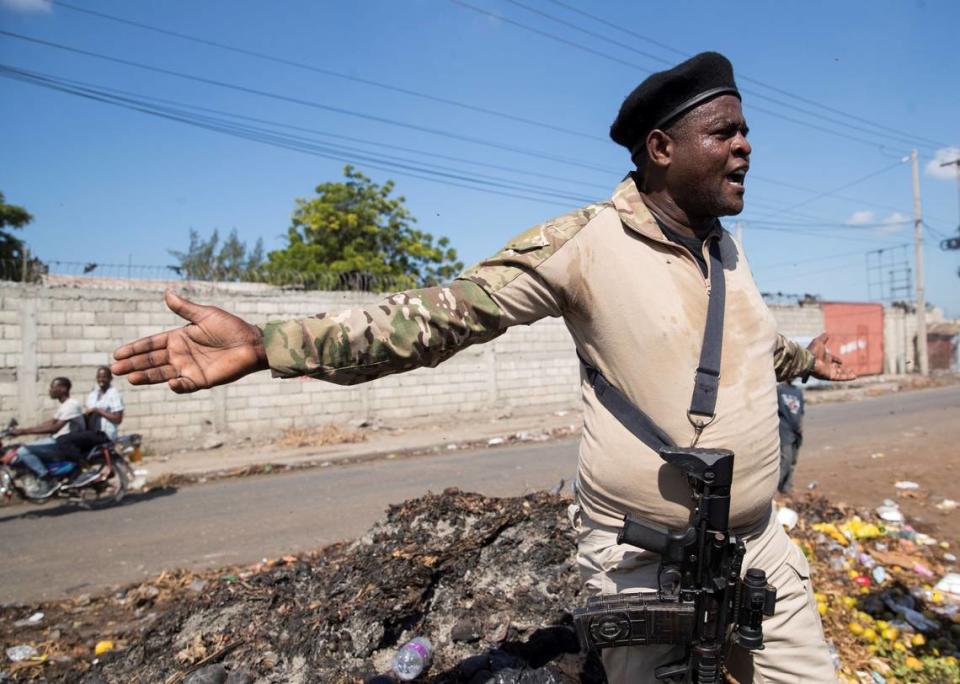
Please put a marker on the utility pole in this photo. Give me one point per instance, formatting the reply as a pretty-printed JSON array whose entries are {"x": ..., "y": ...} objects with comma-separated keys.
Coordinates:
[
  {"x": 953, "y": 243},
  {"x": 918, "y": 256},
  {"x": 955, "y": 162}
]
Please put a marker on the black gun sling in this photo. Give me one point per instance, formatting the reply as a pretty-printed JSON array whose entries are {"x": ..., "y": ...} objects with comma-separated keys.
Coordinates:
[{"x": 703, "y": 403}]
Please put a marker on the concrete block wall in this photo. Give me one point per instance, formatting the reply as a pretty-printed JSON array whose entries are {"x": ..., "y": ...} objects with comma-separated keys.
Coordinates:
[
  {"x": 49, "y": 331},
  {"x": 798, "y": 321},
  {"x": 46, "y": 331}
]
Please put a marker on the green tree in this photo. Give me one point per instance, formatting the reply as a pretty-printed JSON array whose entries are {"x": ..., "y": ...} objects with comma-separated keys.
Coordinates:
[
  {"x": 354, "y": 235},
  {"x": 11, "y": 247},
  {"x": 210, "y": 260}
]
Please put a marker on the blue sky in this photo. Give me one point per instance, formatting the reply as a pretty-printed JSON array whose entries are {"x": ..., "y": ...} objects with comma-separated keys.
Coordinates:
[{"x": 113, "y": 185}]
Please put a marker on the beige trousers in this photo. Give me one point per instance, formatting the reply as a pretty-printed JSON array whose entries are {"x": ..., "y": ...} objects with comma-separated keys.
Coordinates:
[{"x": 794, "y": 650}]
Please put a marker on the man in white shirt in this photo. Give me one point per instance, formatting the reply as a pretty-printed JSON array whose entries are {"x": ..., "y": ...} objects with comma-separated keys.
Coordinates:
[
  {"x": 104, "y": 407},
  {"x": 68, "y": 418}
]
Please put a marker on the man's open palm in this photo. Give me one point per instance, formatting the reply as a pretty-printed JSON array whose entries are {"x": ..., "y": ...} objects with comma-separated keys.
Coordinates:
[
  {"x": 827, "y": 366},
  {"x": 214, "y": 349}
]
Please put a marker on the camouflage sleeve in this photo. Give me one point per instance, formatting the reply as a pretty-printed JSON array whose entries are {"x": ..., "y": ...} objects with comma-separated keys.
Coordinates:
[
  {"x": 791, "y": 360},
  {"x": 522, "y": 283},
  {"x": 404, "y": 331}
]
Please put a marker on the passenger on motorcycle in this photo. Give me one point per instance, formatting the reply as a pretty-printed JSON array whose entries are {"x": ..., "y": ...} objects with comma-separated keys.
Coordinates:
[
  {"x": 104, "y": 407},
  {"x": 67, "y": 419}
]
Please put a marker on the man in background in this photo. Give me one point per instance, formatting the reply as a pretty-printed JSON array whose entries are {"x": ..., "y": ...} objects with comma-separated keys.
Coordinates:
[
  {"x": 790, "y": 411},
  {"x": 104, "y": 407}
]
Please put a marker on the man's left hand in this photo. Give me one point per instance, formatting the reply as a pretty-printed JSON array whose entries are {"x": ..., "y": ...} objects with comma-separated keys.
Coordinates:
[{"x": 827, "y": 366}]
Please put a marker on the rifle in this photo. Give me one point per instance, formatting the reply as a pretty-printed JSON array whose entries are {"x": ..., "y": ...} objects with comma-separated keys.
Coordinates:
[{"x": 701, "y": 597}]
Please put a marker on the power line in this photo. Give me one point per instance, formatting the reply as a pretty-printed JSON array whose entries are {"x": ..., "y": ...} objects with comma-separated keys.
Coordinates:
[
  {"x": 327, "y": 72},
  {"x": 800, "y": 98},
  {"x": 632, "y": 65},
  {"x": 303, "y": 102},
  {"x": 828, "y": 193},
  {"x": 259, "y": 135},
  {"x": 593, "y": 34},
  {"x": 328, "y": 107},
  {"x": 335, "y": 109},
  {"x": 123, "y": 97},
  {"x": 834, "y": 226},
  {"x": 364, "y": 141},
  {"x": 470, "y": 181},
  {"x": 819, "y": 235},
  {"x": 829, "y": 257},
  {"x": 392, "y": 164}
]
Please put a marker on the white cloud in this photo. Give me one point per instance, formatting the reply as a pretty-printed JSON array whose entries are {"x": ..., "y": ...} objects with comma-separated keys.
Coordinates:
[
  {"x": 27, "y": 5},
  {"x": 894, "y": 223},
  {"x": 858, "y": 218},
  {"x": 946, "y": 154}
]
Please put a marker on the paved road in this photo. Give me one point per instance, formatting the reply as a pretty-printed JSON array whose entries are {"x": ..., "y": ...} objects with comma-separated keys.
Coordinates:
[{"x": 52, "y": 552}]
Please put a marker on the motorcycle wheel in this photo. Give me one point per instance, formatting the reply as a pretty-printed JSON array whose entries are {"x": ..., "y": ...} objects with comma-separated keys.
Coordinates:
[
  {"x": 114, "y": 488},
  {"x": 124, "y": 476}
]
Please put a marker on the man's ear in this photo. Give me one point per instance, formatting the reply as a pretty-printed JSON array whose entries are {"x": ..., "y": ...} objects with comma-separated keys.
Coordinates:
[{"x": 660, "y": 148}]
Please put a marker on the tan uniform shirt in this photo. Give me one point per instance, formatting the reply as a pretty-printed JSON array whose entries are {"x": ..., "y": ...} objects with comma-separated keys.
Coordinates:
[{"x": 635, "y": 304}]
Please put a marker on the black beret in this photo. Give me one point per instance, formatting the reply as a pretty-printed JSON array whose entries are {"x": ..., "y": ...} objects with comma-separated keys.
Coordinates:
[{"x": 666, "y": 95}]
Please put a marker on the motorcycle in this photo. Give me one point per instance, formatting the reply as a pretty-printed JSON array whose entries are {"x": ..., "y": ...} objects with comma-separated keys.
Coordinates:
[{"x": 101, "y": 472}]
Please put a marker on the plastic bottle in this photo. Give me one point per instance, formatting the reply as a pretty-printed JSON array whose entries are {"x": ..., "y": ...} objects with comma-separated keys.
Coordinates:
[{"x": 412, "y": 659}]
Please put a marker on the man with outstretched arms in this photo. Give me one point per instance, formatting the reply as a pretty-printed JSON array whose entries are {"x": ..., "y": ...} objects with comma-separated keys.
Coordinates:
[{"x": 630, "y": 276}]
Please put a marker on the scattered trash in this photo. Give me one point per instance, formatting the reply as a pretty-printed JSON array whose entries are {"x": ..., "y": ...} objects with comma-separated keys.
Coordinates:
[
  {"x": 102, "y": 647},
  {"x": 948, "y": 505},
  {"x": 787, "y": 517},
  {"x": 335, "y": 614},
  {"x": 949, "y": 584},
  {"x": 20, "y": 653},
  {"x": 210, "y": 674},
  {"x": 877, "y": 454},
  {"x": 34, "y": 619},
  {"x": 906, "y": 484},
  {"x": 325, "y": 435},
  {"x": 813, "y": 485},
  {"x": 412, "y": 659},
  {"x": 212, "y": 441},
  {"x": 858, "y": 529},
  {"x": 493, "y": 441},
  {"x": 139, "y": 479},
  {"x": 890, "y": 512}
]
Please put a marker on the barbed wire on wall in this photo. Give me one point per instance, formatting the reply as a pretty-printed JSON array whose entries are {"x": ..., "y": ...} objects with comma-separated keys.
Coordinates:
[
  {"x": 790, "y": 299},
  {"x": 80, "y": 273}
]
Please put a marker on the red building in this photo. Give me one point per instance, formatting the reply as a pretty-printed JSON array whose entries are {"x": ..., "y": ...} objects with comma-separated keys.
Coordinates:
[{"x": 856, "y": 335}]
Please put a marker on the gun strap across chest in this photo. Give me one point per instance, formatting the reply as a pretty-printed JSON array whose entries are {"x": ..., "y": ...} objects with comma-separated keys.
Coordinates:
[{"x": 703, "y": 403}]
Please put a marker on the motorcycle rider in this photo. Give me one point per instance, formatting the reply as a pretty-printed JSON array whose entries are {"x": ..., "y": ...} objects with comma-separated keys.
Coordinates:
[{"x": 68, "y": 418}]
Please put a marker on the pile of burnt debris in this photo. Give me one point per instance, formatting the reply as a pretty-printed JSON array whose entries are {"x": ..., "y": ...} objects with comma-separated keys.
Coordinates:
[{"x": 490, "y": 582}]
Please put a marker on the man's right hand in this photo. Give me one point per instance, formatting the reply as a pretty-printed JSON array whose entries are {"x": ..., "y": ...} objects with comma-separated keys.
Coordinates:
[{"x": 213, "y": 349}]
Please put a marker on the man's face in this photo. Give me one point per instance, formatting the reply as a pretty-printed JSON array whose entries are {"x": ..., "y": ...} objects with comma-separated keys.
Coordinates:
[
  {"x": 104, "y": 378},
  {"x": 711, "y": 157},
  {"x": 56, "y": 390}
]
